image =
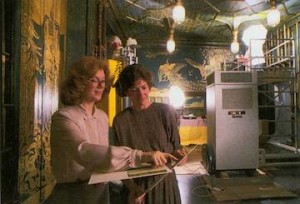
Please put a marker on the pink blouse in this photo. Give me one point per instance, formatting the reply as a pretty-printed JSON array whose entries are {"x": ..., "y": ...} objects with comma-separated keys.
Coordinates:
[{"x": 79, "y": 146}]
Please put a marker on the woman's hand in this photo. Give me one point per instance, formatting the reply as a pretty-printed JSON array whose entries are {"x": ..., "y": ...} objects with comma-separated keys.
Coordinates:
[
  {"x": 181, "y": 154},
  {"x": 157, "y": 158}
]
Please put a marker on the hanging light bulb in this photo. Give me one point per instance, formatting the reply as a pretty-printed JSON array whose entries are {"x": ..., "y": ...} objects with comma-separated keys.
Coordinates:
[
  {"x": 273, "y": 17},
  {"x": 235, "y": 46},
  {"x": 171, "y": 45},
  {"x": 178, "y": 13}
]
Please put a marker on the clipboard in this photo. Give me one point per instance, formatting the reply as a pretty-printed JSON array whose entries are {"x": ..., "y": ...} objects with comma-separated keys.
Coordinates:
[
  {"x": 172, "y": 167},
  {"x": 143, "y": 171}
]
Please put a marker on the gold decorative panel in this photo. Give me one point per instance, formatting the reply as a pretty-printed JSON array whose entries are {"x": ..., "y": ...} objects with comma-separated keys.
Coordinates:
[{"x": 41, "y": 32}]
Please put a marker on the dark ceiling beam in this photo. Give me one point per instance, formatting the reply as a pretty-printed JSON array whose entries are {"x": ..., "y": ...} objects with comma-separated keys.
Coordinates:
[{"x": 135, "y": 4}]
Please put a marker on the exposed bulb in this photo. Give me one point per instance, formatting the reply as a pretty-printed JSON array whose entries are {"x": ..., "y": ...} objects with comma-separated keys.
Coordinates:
[
  {"x": 273, "y": 18},
  {"x": 234, "y": 47},
  {"x": 171, "y": 45},
  {"x": 178, "y": 14}
]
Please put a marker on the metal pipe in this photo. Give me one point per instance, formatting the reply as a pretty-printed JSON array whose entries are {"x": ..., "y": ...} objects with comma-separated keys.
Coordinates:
[
  {"x": 288, "y": 147},
  {"x": 282, "y": 156},
  {"x": 280, "y": 164}
]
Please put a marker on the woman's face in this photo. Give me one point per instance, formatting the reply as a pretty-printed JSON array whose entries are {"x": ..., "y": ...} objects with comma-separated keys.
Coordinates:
[
  {"x": 139, "y": 93},
  {"x": 96, "y": 87}
]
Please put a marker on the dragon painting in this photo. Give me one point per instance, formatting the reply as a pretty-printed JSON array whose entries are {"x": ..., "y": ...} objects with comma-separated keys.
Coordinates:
[{"x": 170, "y": 72}]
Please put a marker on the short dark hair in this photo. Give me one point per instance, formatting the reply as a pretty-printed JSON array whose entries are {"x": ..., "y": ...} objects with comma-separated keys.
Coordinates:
[
  {"x": 74, "y": 86},
  {"x": 129, "y": 75}
]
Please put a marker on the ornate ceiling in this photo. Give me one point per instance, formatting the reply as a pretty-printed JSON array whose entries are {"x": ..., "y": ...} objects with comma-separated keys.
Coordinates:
[{"x": 207, "y": 22}]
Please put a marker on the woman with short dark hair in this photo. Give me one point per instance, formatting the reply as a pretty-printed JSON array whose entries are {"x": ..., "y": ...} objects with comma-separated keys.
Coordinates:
[{"x": 149, "y": 127}]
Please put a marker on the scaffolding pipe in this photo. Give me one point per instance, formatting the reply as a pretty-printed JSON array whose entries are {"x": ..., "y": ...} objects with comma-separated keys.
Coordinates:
[
  {"x": 279, "y": 164},
  {"x": 281, "y": 156},
  {"x": 288, "y": 147}
]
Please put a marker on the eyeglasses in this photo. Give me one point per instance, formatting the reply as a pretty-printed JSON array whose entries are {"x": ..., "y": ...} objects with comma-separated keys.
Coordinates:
[{"x": 96, "y": 82}]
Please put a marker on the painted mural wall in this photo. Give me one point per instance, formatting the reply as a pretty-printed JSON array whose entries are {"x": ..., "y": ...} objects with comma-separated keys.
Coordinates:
[
  {"x": 186, "y": 68},
  {"x": 42, "y": 43}
]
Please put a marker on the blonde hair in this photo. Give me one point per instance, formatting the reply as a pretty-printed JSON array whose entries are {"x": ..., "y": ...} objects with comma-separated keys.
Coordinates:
[{"x": 74, "y": 86}]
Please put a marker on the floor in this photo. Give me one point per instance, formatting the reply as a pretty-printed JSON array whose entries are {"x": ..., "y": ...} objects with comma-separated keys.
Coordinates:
[{"x": 194, "y": 189}]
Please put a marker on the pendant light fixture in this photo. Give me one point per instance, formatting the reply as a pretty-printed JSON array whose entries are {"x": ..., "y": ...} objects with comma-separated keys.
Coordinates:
[
  {"x": 171, "y": 43},
  {"x": 273, "y": 17},
  {"x": 178, "y": 13},
  {"x": 235, "y": 46}
]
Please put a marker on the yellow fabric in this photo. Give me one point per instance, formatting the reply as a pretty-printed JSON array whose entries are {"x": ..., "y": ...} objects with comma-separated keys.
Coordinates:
[{"x": 193, "y": 135}]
